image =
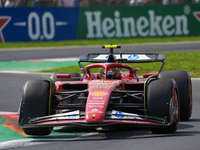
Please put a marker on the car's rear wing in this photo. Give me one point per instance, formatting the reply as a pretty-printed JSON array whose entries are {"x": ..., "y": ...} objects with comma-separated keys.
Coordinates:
[{"x": 123, "y": 57}]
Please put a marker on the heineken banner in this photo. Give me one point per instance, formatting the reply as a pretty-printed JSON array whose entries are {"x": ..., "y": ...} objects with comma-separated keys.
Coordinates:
[
  {"x": 141, "y": 21},
  {"x": 61, "y": 23}
]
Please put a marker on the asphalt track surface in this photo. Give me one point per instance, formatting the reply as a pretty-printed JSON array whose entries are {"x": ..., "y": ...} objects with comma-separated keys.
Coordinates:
[
  {"x": 186, "y": 137},
  {"x": 63, "y": 52}
]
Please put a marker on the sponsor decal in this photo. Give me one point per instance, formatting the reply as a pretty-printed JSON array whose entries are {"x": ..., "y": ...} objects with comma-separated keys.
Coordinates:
[
  {"x": 58, "y": 88},
  {"x": 95, "y": 110},
  {"x": 96, "y": 103},
  {"x": 71, "y": 116},
  {"x": 133, "y": 57},
  {"x": 102, "y": 86},
  {"x": 119, "y": 114},
  {"x": 107, "y": 58},
  {"x": 97, "y": 97},
  {"x": 143, "y": 122},
  {"x": 126, "y": 117},
  {"x": 103, "y": 82},
  {"x": 95, "y": 106},
  {"x": 99, "y": 93}
]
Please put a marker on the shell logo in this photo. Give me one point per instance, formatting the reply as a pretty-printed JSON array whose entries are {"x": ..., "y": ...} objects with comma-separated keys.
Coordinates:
[{"x": 99, "y": 93}]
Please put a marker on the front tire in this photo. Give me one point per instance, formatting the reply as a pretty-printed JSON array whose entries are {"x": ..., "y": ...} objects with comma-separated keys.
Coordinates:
[
  {"x": 162, "y": 101},
  {"x": 35, "y": 103},
  {"x": 183, "y": 81}
]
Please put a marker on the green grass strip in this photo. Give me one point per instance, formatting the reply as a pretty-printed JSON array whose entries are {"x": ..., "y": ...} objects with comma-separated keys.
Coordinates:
[
  {"x": 187, "y": 61},
  {"x": 98, "y": 42}
]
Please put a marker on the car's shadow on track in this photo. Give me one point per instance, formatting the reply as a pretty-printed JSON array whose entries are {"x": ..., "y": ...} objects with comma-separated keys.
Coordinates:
[
  {"x": 88, "y": 134},
  {"x": 193, "y": 120}
]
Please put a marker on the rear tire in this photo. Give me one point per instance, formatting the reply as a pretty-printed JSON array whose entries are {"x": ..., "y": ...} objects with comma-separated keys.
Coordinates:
[
  {"x": 73, "y": 74},
  {"x": 183, "y": 81},
  {"x": 162, "y": 101},
  {"x": 35, "y": 103}
]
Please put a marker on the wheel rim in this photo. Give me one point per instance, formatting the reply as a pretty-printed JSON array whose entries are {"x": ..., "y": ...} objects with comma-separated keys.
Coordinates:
[
  {"x": 174, "y": 109},
  {"x": 190, "y": 97}
]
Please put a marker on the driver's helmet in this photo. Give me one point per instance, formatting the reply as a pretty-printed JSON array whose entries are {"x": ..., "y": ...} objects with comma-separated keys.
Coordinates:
[
  {"x": 113, "y": 73},
  {"x": 101, "y": 73}
]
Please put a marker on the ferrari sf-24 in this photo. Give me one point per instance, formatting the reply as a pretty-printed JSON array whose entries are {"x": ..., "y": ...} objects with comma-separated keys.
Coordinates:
[{"x": 108, "y": 93}]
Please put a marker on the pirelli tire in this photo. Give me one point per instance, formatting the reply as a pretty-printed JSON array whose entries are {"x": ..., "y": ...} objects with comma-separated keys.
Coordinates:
[
  {"x": 183, "y": 81},
  {"x": 35, "y": 103},
  {"x": 74, "y": 76},
  {"x": 163, "y": 102}
]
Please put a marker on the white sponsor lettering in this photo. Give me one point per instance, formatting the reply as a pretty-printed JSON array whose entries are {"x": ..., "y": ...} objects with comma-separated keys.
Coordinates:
[
  {"x": 95, "y": 106},
  {"x": 152, "y": 25},
  {"x": 96, "y": 103}
]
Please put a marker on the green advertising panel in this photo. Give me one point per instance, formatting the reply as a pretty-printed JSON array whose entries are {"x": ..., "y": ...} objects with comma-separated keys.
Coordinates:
[{"x": 139, "y": 21}]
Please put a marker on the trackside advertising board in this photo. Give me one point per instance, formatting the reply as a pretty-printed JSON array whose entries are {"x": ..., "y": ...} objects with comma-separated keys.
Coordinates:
[
  {"x": 59, "y": 23},
  {"x": 38, "y": 24},
  {"x": 143, "y": 21}
]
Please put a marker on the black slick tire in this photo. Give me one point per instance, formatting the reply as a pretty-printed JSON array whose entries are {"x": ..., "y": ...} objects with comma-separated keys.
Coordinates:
[
  {"x": 162, "y": 101},
  {"x": 183, "y": 81},
  {"x": 34, "y": 103}
]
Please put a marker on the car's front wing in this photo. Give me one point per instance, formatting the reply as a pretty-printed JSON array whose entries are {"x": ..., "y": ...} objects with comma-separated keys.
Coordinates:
[{"x": 113, "y": 118}]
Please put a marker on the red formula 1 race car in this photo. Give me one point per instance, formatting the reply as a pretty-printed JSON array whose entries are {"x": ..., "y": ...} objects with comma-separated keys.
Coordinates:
[{"x": 108, "y": 93}]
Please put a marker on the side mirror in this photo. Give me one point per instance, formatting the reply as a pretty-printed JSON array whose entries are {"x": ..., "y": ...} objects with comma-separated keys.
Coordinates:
[
  {"x": 66, "y": 76},
  {"x": 149, "y": 74}
]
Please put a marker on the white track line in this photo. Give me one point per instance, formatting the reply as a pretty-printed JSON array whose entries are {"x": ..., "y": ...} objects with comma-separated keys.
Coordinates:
[
  {"x": 3, "y": 112},
  {"x": 22, "y": 72},
  {"x": 49, "y": 59}
]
